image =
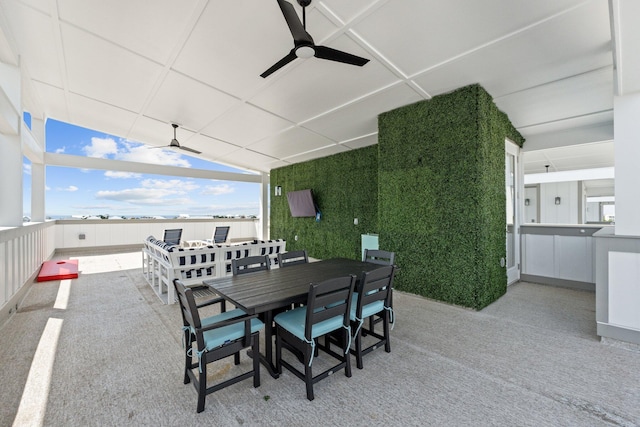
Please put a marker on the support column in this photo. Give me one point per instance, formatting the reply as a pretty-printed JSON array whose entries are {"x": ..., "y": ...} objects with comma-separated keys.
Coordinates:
[
  {"x": 38, "y": 178},
  {"x": 10, "y": 147},
  {"x": 626, "y": 110},
  {"x": 11, "y": 182},
  {"x": 264, "y": 207},
  {"x": 618, "y": 250}
]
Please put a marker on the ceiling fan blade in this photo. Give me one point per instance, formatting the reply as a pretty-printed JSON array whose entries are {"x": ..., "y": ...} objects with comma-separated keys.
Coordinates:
[
  {"x": 300, "y": 35},
  {"x": 331, "y": 54},
  {"x": 189, "y": 149},
  {"x": 284, "y": 61}
]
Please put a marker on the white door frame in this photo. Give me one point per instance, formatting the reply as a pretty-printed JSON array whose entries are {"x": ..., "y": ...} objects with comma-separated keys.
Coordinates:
[{"x": 513, "y": 225}]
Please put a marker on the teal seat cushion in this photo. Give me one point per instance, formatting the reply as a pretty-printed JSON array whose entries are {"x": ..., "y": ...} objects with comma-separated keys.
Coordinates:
[
  {"x": 294, "y": 320},
  {"x": 367, "y": 310},
  {"x": 218, "y": 337}
]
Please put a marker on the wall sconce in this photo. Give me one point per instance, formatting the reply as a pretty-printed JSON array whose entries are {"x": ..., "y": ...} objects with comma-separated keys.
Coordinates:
[
  {"x": 527, "y": 202},
  {"x": 557, "y": 200},
  {"x": 278, "y": 191}
]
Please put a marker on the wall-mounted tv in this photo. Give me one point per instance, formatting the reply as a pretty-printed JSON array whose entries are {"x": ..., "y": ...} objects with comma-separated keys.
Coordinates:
[{"x": 301, "y": 203}]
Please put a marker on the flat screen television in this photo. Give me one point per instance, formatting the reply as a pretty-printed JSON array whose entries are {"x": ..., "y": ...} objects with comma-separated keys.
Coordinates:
[{"x": 301, "y": 203}]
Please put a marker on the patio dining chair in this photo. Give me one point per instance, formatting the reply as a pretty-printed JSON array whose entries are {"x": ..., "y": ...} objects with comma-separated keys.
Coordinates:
[
  {"x": 250, "y": 264},
  {"x": 377, "y": 256},
  {"x": 298, "y": 330},
  {"x": 287, "y": 259},
  {"x": 372, "y": 298},
  {"x": 215, "y": 338}
]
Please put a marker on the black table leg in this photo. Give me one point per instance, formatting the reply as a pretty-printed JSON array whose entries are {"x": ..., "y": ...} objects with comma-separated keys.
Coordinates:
[{"x": 267, "y": 357}]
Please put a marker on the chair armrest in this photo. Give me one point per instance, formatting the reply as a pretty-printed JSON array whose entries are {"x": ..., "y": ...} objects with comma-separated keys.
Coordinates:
[
  {"x": 228, "y": 322},
  {"x": 212, "y": 301}
]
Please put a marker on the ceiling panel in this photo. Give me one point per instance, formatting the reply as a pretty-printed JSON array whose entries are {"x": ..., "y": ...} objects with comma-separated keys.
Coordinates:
[
  {"x": 323, "y": 152},
  {"x": 212, "y": 148},
  {"x": 53, "y": 100},
  {"x": 103, "y": 71},
  {"x": 290, "y": 142},
  {"x": 361, "y": 118},
  {"x": 245, "y": 124},
  {"x": 429, "y": 32},
  {"x": 187, "y": 102},
  {"x": 29, "y": 27},
  {"x": 531, "y": 57},
  {"x": 571, "y": 97},
  {"x": 99, "y": 116},
  {"x": 119, "y": 22}
]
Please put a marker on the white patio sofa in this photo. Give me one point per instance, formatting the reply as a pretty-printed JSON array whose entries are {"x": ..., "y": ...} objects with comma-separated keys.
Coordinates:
[{"x": 161, "y": 263}]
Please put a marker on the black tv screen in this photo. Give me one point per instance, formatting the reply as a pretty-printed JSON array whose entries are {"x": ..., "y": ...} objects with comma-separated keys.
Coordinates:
[{"x": 301, "y": 203}]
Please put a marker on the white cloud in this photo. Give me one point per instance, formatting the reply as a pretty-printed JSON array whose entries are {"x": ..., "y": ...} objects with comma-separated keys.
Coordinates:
[
  {"x": 101, "y": 148},
  {"x": 177, "y": 185},
  {"x": 124, "y": 175},
  {"x": 133, "y": 152},
  {"x": 218, "y": 190},
  {"x": 26, "y": 168},
  {"x": 70, "y": 188},
  {"x": 144, "y": 196},
  {"x": 61, "y": 150}
]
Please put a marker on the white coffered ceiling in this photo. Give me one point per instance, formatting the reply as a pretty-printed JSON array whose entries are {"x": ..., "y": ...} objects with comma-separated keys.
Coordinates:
[{"x": 130, "y": 68}]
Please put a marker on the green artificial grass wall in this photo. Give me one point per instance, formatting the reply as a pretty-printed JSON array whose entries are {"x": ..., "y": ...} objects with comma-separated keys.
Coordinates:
[
  {"x": 442, "y": 196},
  {"x": 433, "y": 188},
  {"x": 345, "y": 186}
]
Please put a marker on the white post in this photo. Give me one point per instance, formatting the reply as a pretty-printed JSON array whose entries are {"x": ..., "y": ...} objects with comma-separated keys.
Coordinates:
[
  {"x": 10, "y": 147},
  {"x": 626, "y": 110},
  {"x": 38, "y": 179},
  {"x": 264, "y": 207}
]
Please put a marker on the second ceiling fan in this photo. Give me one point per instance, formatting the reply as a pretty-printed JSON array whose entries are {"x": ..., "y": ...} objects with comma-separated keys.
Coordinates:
[{"x": 303, "y": 45}]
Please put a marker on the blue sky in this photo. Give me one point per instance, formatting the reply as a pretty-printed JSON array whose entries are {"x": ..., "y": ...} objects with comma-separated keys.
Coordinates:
[{"x": 71, "y": 191}]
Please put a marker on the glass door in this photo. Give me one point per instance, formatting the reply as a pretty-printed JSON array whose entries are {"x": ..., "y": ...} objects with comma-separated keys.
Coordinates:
[{"x": 513, "y": 237}]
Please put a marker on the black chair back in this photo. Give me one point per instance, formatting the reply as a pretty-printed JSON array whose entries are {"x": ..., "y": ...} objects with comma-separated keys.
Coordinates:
[
  {"x": 376, "y": 256},
  {"x": 375, "y": 285},
  {"x": 290, "y": 258},
  {"x": 250, "y": 264},
  {"x": 328, "y": 299},
  {"x": 220, "y": 234},
  {"x": 172, "y": 236}
]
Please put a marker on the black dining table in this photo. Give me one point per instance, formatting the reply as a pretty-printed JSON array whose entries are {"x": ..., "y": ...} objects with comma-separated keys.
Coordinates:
[{"x": 262, "y": 292}]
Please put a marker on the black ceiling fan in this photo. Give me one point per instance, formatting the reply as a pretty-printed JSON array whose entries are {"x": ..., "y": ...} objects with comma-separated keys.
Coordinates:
[
  {"x": 174, "y": 142},
  {"x": 304, "y": 47}
]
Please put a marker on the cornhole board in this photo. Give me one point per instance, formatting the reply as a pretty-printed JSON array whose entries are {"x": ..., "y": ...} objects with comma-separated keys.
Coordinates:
[{"x": 58, "y": 270}]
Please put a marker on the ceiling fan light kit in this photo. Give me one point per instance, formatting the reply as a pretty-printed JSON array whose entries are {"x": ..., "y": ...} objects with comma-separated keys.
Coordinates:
[{"x": 303, "y": 44}]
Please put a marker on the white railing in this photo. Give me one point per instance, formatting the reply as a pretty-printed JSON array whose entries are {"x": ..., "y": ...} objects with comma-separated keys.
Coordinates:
[{"x": 22, "y": 251}]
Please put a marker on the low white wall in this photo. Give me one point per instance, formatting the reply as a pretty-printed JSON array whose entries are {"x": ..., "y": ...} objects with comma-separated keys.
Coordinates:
[
  {"x": 559, "y": 254},
  {"x": 122, "y": 232}
]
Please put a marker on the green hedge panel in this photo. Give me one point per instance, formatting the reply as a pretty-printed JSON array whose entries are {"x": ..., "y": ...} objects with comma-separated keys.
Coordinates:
[
  {"x": 345, "y": 186},
  {"x": 433, "y": 188},
  {"x": 442, "y": 195}
]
